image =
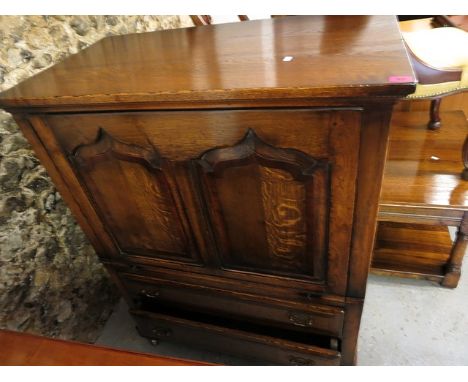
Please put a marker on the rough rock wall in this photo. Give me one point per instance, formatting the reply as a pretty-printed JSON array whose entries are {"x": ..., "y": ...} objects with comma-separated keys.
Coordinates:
[{"x": 51, "y": 281}]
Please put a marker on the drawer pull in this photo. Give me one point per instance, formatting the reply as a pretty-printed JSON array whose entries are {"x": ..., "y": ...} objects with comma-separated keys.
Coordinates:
[
  {"x": 300, "y": 319},
  {"x": 299, "y": 361},
  {"x": 161, "y": 332},
  {"x": 153, "y": 293},
  {"x": 313, "y": 295}
]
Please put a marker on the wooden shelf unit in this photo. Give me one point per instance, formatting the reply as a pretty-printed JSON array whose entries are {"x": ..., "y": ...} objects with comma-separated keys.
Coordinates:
[{"x": 422, "y": 195}]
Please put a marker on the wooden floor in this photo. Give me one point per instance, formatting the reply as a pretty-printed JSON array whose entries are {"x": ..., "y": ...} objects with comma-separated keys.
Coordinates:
[{"x": 21, "y": 349}]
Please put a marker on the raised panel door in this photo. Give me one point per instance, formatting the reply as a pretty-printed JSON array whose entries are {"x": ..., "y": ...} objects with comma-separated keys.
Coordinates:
[
  {"x": 260, "y": 196},
  {"x": 130, "y": 187},
  {"x": 268, "y": 208}
]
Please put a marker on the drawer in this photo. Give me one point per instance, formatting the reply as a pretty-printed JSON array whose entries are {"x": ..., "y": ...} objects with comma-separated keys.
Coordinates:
[
  {"x": 269, "y": 347},
  {"x": 150, "y": 294}
]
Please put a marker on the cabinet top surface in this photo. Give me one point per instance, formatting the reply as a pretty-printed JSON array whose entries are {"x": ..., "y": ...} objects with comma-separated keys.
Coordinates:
[{"x": 286, "y": 57}]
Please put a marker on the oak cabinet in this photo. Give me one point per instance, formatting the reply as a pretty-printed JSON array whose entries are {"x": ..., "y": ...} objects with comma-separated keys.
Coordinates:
[{"x": 234, "y": 211}]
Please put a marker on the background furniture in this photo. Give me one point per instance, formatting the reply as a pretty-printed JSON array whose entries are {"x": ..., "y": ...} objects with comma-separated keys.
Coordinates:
[
  {"x": 200, "y": 20},
  {"x": 22, "y": 349},
  {"x": 454, "y": 102},
  {"x": 439, "y": 56},
  {"x": 422, "y": 195},
  {"x": 228, "y": 176},
  {"x": 456, "y": 21}
]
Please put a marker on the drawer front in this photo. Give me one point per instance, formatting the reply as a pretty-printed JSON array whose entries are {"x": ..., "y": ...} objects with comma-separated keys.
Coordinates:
[
  {"x": 149, "y": 294},
  {"x": 258, "y": 195},
  {"x": 244, "y": 344}
]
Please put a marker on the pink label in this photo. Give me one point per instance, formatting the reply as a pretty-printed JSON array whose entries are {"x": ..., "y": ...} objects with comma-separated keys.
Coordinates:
[{"x": 399, "y": 79}]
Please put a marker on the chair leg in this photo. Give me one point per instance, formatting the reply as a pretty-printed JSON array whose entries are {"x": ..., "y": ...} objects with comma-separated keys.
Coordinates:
[
  {"x": 434, "y": 122},
  {"x": 464, "y": 173},
  {"x": 453, "y": 269}
]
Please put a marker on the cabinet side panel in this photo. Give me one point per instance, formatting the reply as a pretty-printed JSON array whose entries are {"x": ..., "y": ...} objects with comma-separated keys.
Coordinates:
[
  {"x": 374, "y": 139},
  {"x": 52, "y": 157},
  {"x": 344, "y": 151}
]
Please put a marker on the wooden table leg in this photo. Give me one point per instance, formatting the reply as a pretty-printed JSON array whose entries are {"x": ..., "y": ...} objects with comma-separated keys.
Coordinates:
[
  {"x": 464, "y": 174},
  {"x": 434, "y": 122},
  {"x": 453, "y": 271}
]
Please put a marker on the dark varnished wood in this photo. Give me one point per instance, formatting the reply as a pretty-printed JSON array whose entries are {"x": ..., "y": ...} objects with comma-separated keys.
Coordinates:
[
  {"x": 232, "y": 195},
  {"x": 417, "y": 250},
  {"x": 374, "y": 138},
  {"x": 434, "y": 121},
  {"x": 200, "y": 20},
  {"x": 420, "y": 251},
  {"x": 22, "y": 349},
  {"x": 147, "y": 292},
  {"x": 288, "y": 189},
  {"x": 233, "y": 61},
  {"x": 155, "y": 223},
  {"x": 267, "y": 347},
  {"x": 454, "y": 264},
  {"x": 464, "y": 173},
  {"x": 234, "y": 281},
  {"x": 331, "y": 135},
  {"x": 423, "y": 167},
  {"x": 423, "y": 194}
]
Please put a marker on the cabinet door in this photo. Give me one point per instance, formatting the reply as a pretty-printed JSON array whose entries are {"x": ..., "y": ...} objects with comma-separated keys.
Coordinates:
[
  {"x": 226, "y": 197},
  {"x": 268, "y": 208},
  {"x": 132, "y": 191},
  {"x": 282, "y": 216}
]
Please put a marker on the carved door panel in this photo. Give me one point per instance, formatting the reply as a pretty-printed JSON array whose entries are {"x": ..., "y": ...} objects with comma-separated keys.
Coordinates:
[
  {"x": 280, "y": 215},
  {"x": 131, "y": 189},
  {"x": 268, "y": 208},
  {"x": 256, "y": 196}
]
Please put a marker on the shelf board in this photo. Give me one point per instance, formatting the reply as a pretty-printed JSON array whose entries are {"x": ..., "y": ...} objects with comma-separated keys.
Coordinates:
[{"x": 411, "y": 250}]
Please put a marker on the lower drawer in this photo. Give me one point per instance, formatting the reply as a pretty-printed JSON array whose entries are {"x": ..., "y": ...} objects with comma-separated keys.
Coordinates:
[
  {"x": 149, "y": 293},
  {"x": 269, "y": 347}
]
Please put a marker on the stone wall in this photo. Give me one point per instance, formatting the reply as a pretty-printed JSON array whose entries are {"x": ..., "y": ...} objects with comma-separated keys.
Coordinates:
[{"x": 51, "y": 281}]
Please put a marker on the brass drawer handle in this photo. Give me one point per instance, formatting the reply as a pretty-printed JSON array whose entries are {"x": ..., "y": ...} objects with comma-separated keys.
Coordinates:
[
  {"x": 301, "y": 319},
  {"x": 299, "y": 361},
  {"x": 161, "y": 332},
  {"x": 152, "y": 293},
  {"x": 312, "y": 295}
]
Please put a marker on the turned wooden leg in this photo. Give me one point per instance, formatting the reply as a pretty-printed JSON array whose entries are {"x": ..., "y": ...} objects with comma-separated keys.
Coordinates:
[
  {"x": 464, "y": 174},
  {"x": 453, "y": 268},
  {"x": 434, "y": 122}
]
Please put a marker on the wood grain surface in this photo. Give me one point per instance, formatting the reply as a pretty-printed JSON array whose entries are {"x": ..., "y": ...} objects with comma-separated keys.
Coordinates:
[
  {"x": 333, "y": 56},
  {"x": 231, "y": 193},
  {"x": 22, "y": 349},
  {"x": 424, "y": 167}
]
